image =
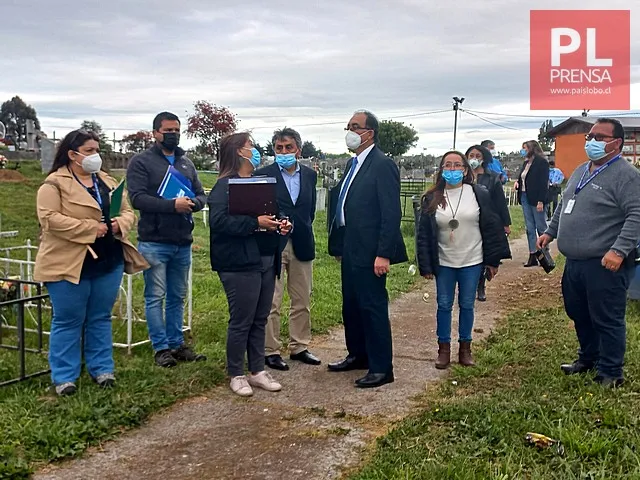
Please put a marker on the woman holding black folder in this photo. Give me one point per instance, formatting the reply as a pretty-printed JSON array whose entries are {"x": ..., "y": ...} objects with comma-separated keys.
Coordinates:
[
  {"x": 245, "y": 251},
  {"x": 84, "y": 249}
]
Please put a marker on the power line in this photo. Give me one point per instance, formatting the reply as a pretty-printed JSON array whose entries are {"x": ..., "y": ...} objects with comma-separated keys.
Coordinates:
[
  {"x": 434, "y": 112},
  {"x": 491, "y": 122}
]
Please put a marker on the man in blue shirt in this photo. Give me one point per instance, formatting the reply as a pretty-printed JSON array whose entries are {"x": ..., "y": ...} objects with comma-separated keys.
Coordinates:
[
  {"x": 296, "y": 196},
  {"x": 556, "y": 177},
  {"x": 495, "y": 166},
  {"x": 165, "y": 237}
]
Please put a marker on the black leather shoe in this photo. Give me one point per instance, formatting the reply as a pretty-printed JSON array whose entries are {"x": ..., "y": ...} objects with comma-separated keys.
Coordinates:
[
  {"x": 349, "y": 363},
  {"x": 185, "y": 353},
  {"x": 276, "y": 362},
  {"x": 307, "y": 357},
  {"x": 373, "y": 380},
  {"x": 575, "y": 368},
  {"x": 610, "y": 382}
]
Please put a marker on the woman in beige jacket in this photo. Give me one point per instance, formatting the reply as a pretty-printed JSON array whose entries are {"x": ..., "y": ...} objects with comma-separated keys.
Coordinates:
[{"x": 82, "y": 255}]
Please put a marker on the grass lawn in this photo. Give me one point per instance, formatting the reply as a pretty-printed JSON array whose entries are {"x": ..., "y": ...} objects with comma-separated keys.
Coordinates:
[
  {"x": 36, "y": 427},
  {"x": 475, "y": 428}
]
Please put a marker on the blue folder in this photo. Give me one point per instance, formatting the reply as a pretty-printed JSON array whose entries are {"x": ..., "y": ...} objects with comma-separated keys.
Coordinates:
[{"x": 174, "y": 185}]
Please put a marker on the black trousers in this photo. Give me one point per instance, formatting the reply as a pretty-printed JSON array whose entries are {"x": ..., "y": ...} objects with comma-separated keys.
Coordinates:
[
  {"x": 595, "y": 299},
  {"x": 365, "y": 313},
  {"x": 249, "y": 295}
]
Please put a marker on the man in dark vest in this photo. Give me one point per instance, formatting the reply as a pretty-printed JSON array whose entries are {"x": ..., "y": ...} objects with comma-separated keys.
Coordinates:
[{"x": 297, "y": 200}]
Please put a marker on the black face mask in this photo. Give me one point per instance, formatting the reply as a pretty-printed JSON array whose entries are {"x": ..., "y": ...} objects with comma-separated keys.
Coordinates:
[{"x": 170, "y": 140}]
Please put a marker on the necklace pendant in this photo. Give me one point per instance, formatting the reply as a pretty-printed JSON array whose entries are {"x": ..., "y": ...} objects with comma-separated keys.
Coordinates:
[{"x": 453, "y": 224}]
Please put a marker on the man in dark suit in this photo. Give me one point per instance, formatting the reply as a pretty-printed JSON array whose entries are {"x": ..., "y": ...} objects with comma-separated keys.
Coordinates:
[
  {"x": 296, "y": 196},
  {"x": 365, "y": 236}
]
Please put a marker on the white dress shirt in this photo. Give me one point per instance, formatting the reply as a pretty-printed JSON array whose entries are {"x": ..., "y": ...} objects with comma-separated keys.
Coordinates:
[{"x": 361, "y": 158}]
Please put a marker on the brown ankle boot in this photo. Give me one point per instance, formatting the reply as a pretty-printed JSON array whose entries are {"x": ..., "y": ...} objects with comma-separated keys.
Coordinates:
[
  {"x": 464, "y": 355},
  {"x": 444, "y": 356}
]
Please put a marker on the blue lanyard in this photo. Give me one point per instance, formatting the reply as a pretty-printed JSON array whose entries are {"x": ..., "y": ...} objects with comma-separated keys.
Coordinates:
[
  {"x": 98, "y": 197},
  {"x": 583, "y": 183}
]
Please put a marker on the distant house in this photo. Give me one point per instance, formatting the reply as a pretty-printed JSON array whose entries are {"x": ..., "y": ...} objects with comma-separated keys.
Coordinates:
[{"x": 570, "y": 138}]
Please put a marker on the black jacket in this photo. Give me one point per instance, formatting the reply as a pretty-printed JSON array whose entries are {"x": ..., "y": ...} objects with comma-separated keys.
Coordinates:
[
  {"x": 491, "y": 180},
  {"x": 301, "y": 214},
  {"x": 159, "y": 221},
  {"x": 235, "y": 245},
  {"x": 372, "y": 214},
  {"x": 495, "y": 245},
  {"x": 536, "y": 181}
]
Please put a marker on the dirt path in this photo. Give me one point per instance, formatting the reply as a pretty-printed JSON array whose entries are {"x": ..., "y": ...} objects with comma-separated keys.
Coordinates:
[{"x": 318, "y": 425}]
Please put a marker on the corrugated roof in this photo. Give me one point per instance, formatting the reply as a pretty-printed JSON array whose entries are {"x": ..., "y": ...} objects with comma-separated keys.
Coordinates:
[{"x": 627, "y": 122}]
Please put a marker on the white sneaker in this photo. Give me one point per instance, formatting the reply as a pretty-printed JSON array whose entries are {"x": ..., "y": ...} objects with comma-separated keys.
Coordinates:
[
  {"x": 240, "y": 386},
  {"x": 265, "y": 381}
]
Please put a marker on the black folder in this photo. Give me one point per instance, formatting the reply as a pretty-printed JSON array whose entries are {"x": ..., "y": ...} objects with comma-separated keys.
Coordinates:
[{"x": 252, "y": 196}]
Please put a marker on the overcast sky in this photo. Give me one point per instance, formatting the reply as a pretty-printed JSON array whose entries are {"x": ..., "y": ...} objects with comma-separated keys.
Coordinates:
[{"x": 282, "y": 62}]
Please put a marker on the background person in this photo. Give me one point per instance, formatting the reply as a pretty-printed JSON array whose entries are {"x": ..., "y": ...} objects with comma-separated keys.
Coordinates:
[
  {"x": 459, "y": 234},
  {"x": 365, "y": 235},
  {"x": 247, "y": 261},
  {"x": 598, "y": 228},
  {"x": 556, "y": 177},
  {"x": 296, "y": 200},
  {"x": 164, "y": 238},
  {"x": 495, "y": 164},
  {"x": 82, "y": 255},
  {"x": 479, "y": 158},
  {"x": 533, "y": 187}
]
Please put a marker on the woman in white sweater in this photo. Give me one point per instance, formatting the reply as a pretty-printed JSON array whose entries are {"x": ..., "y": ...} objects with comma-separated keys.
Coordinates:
[{"x": 459, "y": 234}]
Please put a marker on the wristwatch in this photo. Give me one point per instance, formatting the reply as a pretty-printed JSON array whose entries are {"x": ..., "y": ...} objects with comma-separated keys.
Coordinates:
[{"x": 618, "y": 253}]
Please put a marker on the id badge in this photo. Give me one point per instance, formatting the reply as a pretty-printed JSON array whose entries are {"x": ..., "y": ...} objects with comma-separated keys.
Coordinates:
[{"x": 569, "y": 208}]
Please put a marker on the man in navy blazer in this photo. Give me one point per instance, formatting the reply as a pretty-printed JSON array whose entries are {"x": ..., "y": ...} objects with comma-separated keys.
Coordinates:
[
  {"x": 365, "y": 236},
  {"x": 296, "y": 196}
]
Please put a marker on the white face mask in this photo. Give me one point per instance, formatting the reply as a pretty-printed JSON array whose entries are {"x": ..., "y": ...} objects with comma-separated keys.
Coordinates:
[
  {"x": 353, "y": 140},
  {"x": 91, "y": 163},
  {"x": 493, "y": 152},
  {"x": 475, "y": 163}
]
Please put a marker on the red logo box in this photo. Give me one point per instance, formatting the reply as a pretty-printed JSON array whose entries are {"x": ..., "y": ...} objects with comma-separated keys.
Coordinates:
[{"x": 580, "y": 59}]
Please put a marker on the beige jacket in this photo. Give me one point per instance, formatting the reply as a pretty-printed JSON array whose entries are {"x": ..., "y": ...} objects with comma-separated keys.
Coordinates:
[{"x": 69, "y": 219}]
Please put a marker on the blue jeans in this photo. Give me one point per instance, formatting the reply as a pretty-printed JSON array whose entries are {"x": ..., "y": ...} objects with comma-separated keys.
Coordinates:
[
  {"x": 467, "y": 279},
  {"x": 165, "y": 282},
  {"x": 534, "y": 221},
  {"x": 85, "y": 307}
]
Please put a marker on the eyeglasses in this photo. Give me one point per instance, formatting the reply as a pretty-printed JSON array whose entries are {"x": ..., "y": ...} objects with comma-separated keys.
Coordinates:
[
  {"x": 453, "y": 166},
  {"x": 597, "y": 136},
  {"x": 355, "y": 127}
]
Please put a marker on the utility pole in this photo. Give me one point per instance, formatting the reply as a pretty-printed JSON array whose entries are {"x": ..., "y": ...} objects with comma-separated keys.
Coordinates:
[{"x": 456, "y": 105}]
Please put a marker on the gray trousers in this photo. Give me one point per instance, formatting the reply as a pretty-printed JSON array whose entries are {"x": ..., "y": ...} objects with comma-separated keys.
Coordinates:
[{"x": 249, "y": 295}]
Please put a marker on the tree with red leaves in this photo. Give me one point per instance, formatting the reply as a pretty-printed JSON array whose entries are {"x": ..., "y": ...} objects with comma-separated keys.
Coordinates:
[
  {"x": 209, "y": 123},
  {"x": 137, "y": 142}
]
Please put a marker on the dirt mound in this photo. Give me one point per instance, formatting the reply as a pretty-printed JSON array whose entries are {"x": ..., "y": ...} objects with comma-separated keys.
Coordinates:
[{"x": 11, "y": 176}]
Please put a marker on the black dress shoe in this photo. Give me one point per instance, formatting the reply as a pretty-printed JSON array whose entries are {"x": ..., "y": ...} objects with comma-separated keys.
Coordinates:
[
  {"x": 275, "y": 362},
  {"x": 610, "y": 382},
  {"x": 307, "y": 357},
  {"x": 575, "y": 368},
  {"x": 349, "y": 363},
  {"x": 373, "y": 380}
]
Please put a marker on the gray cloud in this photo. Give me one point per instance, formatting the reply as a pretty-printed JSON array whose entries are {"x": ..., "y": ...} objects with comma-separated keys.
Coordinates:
[{"x": 120, "y": 62}]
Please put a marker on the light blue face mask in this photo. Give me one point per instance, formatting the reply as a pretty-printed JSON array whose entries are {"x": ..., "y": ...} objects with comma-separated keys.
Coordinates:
[
  {"x": 453, "y": 177},
  {"x": 523, "y": 153},
  {"x": 286, "y": 160},
  {"x": 255, "y": 158},
  {"x": 595, "y": 150}
]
